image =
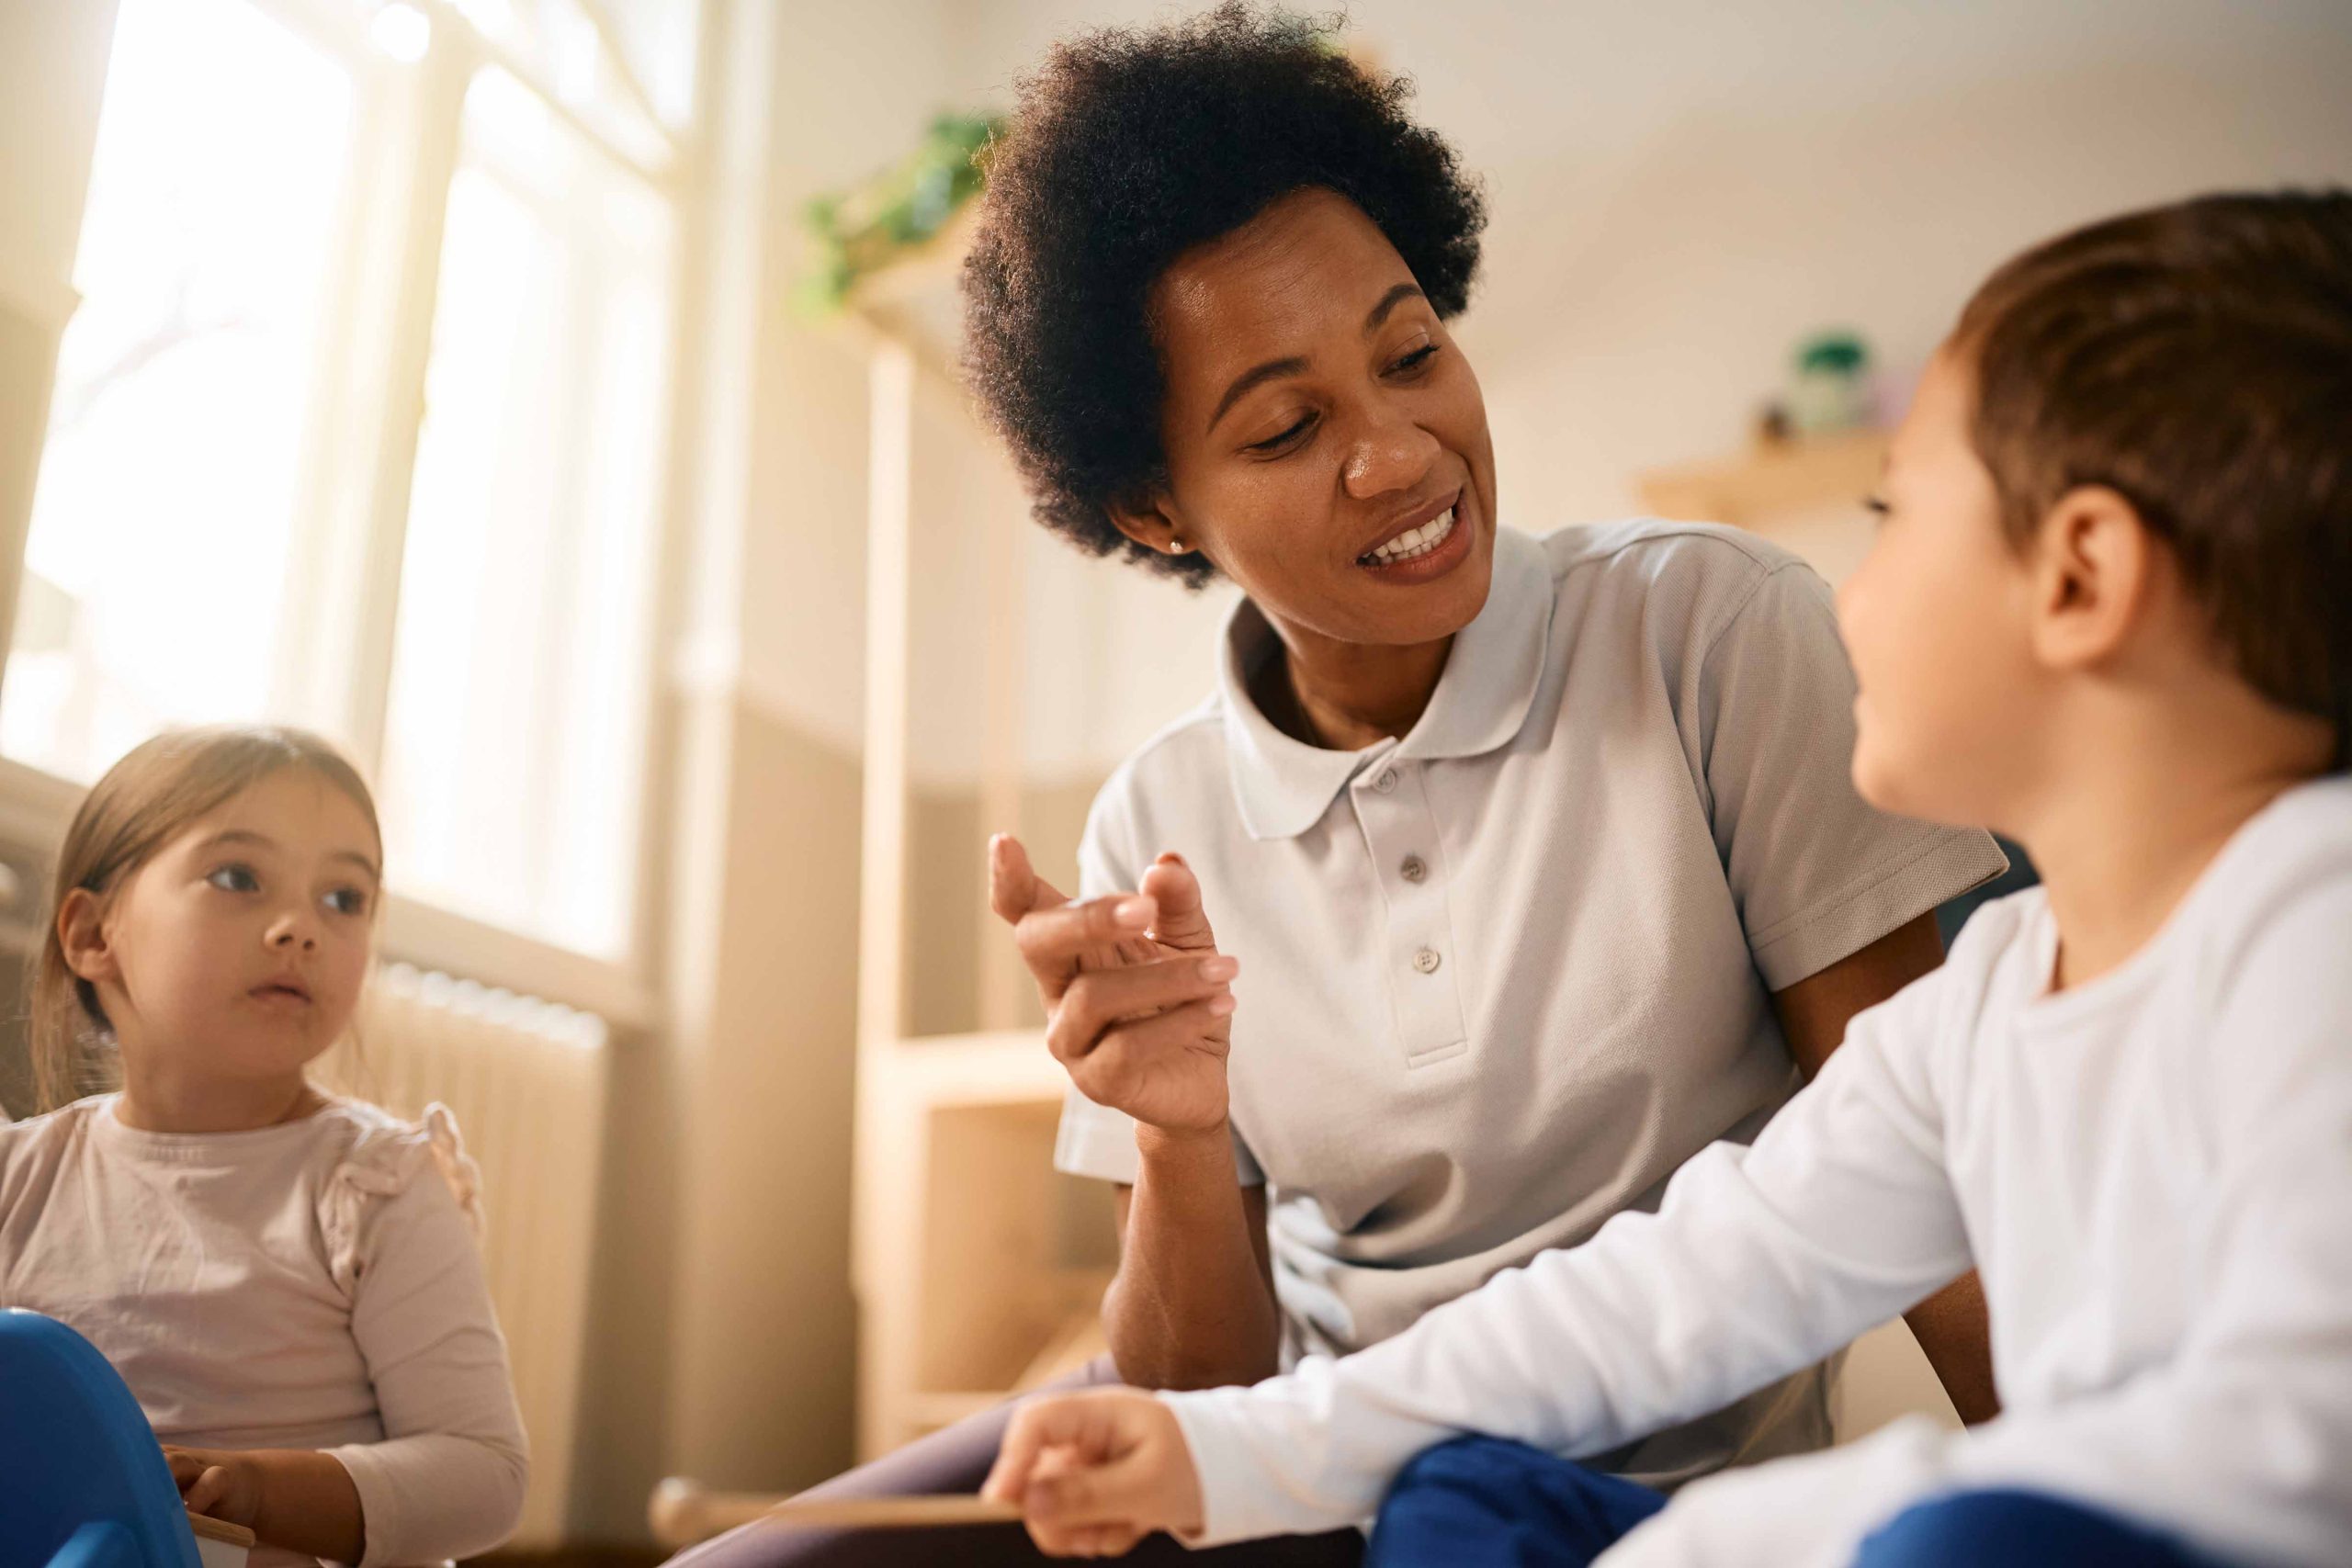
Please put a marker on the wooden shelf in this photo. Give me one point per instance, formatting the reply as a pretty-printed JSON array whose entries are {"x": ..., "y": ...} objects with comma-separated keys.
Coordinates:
[
  {"x": 922, "y": 273},
  {"x": 1075, "y": 1341},
  {"x": 979, "y": 1269},
  {"x": 1794, "y": 476}
]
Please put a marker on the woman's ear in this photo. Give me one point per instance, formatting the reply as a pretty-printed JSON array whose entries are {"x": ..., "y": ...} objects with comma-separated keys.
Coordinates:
[
  {"x": 2096, "y": 561},
  {"x": 82, "y": 933},
  {"x": 1150, "y": 522}
]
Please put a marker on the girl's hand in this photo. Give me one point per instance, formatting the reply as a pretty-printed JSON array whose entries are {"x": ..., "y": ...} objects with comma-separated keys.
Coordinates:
[
  {"x": 1138, "y": 1007},
  {"x": 219, "y": 1482},
  {"x": 1095, "y": 1472},
  {"x": 302, "y": 1499}
]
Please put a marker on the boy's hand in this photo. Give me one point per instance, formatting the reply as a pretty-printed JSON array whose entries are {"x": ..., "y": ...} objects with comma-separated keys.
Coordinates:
[
  {"x": 217, "y": 1483},
  {"x": 1139, "y": 1007},
  {"x": 1095, "y": 1472}
]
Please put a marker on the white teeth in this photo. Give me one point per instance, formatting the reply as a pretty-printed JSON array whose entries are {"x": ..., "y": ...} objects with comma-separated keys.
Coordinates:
[{"x": 1414, "y": 542}]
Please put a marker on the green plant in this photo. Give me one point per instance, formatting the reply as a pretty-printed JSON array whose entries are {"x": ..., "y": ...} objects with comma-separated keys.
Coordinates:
[{"x": 858, "y": 232}]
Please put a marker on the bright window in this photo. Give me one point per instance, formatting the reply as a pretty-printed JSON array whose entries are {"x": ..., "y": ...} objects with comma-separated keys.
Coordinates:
[
  {"x": 518, "y": 676},
  {"x": 361, "y": 422}
]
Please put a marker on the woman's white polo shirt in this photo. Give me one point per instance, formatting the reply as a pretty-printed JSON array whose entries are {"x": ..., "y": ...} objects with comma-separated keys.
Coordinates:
[{"x": 1502, "y": 976}]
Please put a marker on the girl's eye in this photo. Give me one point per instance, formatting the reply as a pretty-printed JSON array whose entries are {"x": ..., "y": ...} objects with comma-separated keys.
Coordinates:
[
  {"x": 348, "y": 901},
  {"x": 235, "y": 879},
  {"x": 1273, "y": 442},
  {"x": 1414, "y": 360}
]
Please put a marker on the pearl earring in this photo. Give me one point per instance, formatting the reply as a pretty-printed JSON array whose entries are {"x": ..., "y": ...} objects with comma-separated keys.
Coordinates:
[{"x": 1178, "y": 548}]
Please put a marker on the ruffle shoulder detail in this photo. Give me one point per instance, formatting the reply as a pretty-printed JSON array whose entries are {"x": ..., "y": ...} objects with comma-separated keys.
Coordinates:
[{"x": 386, "y": 1157}]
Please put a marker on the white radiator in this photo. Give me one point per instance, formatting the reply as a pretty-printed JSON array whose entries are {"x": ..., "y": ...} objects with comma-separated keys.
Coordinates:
[{"x": 525, "y": 1079}]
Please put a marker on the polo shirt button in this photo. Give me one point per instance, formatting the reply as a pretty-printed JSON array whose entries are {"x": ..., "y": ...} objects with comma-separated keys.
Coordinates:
[
  {"x": 1426, "y": 961},
  {"x": 1414, "y": 868},
  {"x": 1386, "y": 781}
]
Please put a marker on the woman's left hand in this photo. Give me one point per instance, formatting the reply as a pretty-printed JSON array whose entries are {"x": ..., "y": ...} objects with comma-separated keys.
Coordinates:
[{"x": 219, "y": 1482}]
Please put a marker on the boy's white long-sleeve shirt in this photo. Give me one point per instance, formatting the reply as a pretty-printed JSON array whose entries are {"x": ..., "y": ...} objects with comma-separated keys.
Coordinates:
[{"x": 2152, "y": 1171}]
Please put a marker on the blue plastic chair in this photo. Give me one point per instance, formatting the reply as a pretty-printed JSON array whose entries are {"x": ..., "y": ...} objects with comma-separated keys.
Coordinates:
[{"x": 83, "y": 1483}]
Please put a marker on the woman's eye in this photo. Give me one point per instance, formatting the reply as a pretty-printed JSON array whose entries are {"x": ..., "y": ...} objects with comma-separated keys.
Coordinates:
[
  {"x": 348, "y": 901},
  {"x": 1271, "y": 442},
  {"x": 1414, "y": 360},
  {"x": 1877, "y": 507},
  {"x": 235, "y": 879}
]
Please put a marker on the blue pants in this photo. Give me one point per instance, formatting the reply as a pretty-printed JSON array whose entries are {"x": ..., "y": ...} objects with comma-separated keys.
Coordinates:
[{"x": 1484, "y": 1503}]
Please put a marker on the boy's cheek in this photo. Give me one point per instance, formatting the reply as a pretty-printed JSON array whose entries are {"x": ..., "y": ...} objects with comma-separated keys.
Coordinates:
[
  {"x": 1935, "y": 742},
  {"x": 1893, "y": 636},
  {"x": 1901, "y": 719},
  {"x": 1877, "y": 777},
  {"x": 1860, "y": 601}
]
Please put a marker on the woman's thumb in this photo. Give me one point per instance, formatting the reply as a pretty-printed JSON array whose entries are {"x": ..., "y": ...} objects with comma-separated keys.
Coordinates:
[{"x": 1183, "y": 922}]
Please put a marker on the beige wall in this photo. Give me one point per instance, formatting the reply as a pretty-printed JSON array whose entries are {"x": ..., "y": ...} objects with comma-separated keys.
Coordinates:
[
  {"x": 52, "y": 67},
  {"x": 761, "y": 1325},
  {"x": 1107, "y": 653}
]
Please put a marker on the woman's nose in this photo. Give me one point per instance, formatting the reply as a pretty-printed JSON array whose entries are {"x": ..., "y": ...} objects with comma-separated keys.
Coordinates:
[{"x": 1392, "y": 455}]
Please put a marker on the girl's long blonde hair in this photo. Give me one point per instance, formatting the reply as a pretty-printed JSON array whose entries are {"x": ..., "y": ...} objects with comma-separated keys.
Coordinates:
[{"x": 142, "y": 803}]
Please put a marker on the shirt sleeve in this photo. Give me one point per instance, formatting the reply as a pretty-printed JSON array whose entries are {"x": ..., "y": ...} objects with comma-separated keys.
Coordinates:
[
  {"x": 1838, "y": 1217},
  {"x": 2240, "y": 1442},
  {"x": 1094, "y": 1139},
  {"x": 1816, "y": 872},
  {"x": 448, "y": 1478}
]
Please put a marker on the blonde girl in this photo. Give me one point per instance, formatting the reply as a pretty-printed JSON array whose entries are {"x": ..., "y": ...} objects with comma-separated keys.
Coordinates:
[{"x": 288, "y": 1280}]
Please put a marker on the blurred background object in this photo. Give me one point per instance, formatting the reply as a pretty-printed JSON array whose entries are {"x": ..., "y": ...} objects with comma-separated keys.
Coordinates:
[
  {"x": 1829, "y": 391},
  {"x": 431, "y": 372}
]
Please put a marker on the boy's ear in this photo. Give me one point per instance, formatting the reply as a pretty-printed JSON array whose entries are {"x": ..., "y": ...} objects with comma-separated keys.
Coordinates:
[
  {"x": 82, "y": 932},
  {"x": 1150, "y": 522},
  {"x": 2094, "y": 565}
]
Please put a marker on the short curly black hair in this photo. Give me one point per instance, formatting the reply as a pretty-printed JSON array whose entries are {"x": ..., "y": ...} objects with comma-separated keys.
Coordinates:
[{"x": 1130, "y": 147}]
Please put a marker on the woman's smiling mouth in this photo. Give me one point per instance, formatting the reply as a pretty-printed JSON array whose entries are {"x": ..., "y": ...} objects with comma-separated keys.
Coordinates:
[
  {"x": 1412, "y": 542},
  {"x": 1425, "y": 550}
]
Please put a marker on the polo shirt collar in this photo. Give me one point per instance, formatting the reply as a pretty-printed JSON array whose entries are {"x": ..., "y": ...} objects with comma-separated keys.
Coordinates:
[{"x": 1283, "y": 787}]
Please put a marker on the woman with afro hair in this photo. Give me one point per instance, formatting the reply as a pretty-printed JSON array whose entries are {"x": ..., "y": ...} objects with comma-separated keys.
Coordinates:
[{"x": 1532, "y": 859}]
